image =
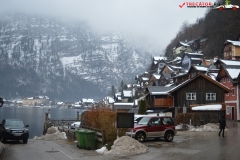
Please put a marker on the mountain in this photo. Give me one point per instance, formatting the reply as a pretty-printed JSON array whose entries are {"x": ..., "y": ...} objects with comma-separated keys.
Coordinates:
[{"x": 64, "y": 60}]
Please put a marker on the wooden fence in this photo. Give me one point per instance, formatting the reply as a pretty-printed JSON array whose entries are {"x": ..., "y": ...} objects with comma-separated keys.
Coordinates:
[{"x": 65, "y": 126}]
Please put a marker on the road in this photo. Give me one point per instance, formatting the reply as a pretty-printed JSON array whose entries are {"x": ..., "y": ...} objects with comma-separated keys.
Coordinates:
[{"x": 186, "y": 145}]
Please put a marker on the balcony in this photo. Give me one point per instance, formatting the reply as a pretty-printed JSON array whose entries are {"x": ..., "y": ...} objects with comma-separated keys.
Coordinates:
[{"x": 160, "y": 103}]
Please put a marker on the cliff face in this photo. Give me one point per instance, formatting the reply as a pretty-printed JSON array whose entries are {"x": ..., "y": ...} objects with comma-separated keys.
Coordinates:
[{"x": 42, "y": 55}]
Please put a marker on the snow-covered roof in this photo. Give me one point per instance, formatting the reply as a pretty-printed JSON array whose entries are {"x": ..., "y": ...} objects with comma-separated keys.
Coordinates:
[
  {"x": 157, "y": 58},
  {"x": 196, "y": 53},
  {"x": 208, "y": 107},
  {"x": 235, "y": 43},
  {"x": 110, "y": 99},
  {"x": 145, "y": 78},
  {"x": 175, "y": 67},
  {"x": 60, "y": 103},
  {"x": 123, "y": 104},
  {"x": 183, "y": 43},
  {"x": 85, "y": 100},
  {"x": 233, "y": 72},
  {"x": 127, "y": 93},
  {"x": 157, "y": 76},
  {"x": 198, "y": 59},
  {"x": 201, "y": 68},
  {"x": 159, "y": 90},
  {"x": 30, "y": 98},
  {"x": 230, "y": 62}
]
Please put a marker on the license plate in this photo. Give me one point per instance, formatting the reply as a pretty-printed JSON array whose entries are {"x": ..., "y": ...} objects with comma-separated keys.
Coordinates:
[{"x": 17, "y": 134}]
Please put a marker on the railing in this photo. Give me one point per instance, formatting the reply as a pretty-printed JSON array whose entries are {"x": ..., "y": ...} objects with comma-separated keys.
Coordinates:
[{"x": 65, "y": 126}]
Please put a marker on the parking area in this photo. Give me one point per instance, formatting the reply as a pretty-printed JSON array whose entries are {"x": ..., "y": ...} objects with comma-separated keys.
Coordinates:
[{"x": 186, "y": 145}]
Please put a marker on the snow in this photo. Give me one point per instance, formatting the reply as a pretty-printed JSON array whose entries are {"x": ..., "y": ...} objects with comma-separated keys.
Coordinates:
[
  {"x": 201, "y": 68},
  {"x": 130, "y": 104},
  {"x": 156, "y": 58},
  {"x": 233, "y": 72},
  {"x": 102, "y": 150},
  {"x": 209, "y": 127},
  {"x": 52, "y": 134},
  {"x": 157, "y": 76},
  {"x": 159, "y": 93},
  {"x": 127, "y": 93},
  {"x": 200, "y": 54},
  {"x": 207, "y": 107},
  {"x": 126, "y": 145},
  {"x": 232, "y": 63},
  {"x": 235, "y": 43}
]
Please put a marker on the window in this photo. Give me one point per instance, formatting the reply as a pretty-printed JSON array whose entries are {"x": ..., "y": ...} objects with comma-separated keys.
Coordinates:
[
  {"x": 233, "y": 92},
  {"x": 154, "y": 121},
  {"x": 224, "y": 80},
  {"x": 228, "y": 79},
  {"x": 167, "y": 121},
  {"x": 210, "y": 96},
  {"x": 191, "y": 96},
  {"x": 227, "y": 94}
]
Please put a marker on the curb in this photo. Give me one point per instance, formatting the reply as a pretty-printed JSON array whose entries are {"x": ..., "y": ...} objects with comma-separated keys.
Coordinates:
[{"x": 2, "y": 147}]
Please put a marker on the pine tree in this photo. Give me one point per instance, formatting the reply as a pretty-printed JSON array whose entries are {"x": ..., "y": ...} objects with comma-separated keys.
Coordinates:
[{"x": 142, "y": 107}]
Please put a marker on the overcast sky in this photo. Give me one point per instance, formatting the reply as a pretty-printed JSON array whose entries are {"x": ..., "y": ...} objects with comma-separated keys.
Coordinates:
[{"x": 155, "y": 22}]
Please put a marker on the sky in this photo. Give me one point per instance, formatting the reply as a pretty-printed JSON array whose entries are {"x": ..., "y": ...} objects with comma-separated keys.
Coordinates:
[{"x": 151, "y": 23}]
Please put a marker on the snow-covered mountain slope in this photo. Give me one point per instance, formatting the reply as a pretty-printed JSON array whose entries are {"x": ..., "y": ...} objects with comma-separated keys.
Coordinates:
[{"x": 42, "y": 55}]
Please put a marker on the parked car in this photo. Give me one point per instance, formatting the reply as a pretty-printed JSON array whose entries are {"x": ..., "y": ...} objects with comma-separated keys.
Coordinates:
[
  {"x": 75, "y": 125},
  {"x": 153, "y": 127},
  {"x": 13, "y": 129}
]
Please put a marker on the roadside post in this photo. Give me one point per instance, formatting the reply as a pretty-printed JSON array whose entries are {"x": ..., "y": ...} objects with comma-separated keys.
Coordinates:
[{"x": 184, "y": 112}]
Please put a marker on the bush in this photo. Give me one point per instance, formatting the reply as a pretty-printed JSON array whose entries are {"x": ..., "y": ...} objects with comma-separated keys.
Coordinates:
[{"x": 104, "y": 119}]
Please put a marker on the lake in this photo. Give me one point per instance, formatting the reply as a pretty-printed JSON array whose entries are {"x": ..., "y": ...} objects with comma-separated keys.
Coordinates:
[{"x": 34, "y": 117}]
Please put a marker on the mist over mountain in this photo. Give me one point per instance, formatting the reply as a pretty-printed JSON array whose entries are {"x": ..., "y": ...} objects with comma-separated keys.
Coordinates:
[{"x": 65, "y": 60}]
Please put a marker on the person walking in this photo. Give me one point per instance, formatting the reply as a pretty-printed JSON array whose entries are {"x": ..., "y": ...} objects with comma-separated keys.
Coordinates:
[{"x": 222, "y": 125}]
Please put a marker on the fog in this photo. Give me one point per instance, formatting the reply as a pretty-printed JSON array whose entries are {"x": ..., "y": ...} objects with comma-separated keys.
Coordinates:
[{"x": 152, "y": 22}]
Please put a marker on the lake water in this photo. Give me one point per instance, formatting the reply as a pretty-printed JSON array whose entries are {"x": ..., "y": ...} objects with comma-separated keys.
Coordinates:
[{"x": 34, "y": 117}]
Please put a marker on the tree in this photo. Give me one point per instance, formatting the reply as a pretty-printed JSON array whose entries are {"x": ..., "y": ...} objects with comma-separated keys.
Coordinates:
[{"x": 142, "y": 107}]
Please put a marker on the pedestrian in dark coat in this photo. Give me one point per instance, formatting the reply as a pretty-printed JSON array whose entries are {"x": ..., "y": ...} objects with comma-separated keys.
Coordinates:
[{"x": 222, "y": 125}]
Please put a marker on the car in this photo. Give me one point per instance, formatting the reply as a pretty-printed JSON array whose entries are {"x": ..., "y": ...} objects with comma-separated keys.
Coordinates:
[
  {"x": 153, "y": 127},
  {"x": 75, "y": 125},
  {"x": 13, "y": 129},
  {"x": 138, "y": 117},
  {"x": 226, "y": 7}
]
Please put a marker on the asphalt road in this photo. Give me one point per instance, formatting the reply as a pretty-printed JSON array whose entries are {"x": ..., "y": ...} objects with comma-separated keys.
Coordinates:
[{"x": 186, "y": 145}]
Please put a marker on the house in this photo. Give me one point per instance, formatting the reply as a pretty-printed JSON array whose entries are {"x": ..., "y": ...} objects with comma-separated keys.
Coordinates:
[
  {"x": 37, "y": 100},
  {"x": 219, "y": 62},
  {"x": 157, "y": 63},
  {"x": 126, "y": 95},
  {"x": 203, "y": 43},
  {"x": 200, "y": 89},
  {"x": 231, "y": 50},
  {"x": 87, "y": 102},
  {"x": 153, "y": 80},
  {"x": 117, "y": 97},
  {"x": 189, "y": 59},
  {"x": 61, "y": 105},
  {"x": 122, "y": 106},
  {"x": 229, "y": 76},
  {"x": 181, "y": 47},
  {"x": 164, "y": 79},
  {"x": 176, "y": 61},
  {"x": 158, "y": 98}
]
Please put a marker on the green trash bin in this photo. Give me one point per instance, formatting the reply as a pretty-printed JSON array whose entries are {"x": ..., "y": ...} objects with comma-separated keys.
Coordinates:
[
  {"x": 80, "y": 138},
  {"x": 90, "y": 139}
]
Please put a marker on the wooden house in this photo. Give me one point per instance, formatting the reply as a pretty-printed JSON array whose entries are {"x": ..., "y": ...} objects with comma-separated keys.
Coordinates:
[
  {"x": 231, "y": 49},
  {"x": 158, "y": 98},
  {"x": 189, "y": 59},
  {"x": 165, "y": 78},
  {"x": 200, "y": 89},
  {"x": 153, "y": 80},
  {"x": 229, "y": 76}
]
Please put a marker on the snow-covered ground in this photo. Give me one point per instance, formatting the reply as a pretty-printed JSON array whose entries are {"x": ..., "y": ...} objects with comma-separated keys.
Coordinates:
[
  {"x": 206, "y": 127},
  {"x": 52, "y": 134}
]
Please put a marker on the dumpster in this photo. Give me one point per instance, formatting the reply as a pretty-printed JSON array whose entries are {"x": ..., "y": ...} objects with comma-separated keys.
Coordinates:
[
  {"x": 80, "y": 138},
  {"x": 90, "y": 139}
]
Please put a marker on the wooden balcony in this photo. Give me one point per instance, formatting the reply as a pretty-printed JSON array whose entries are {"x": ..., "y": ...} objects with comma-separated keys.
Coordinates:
[{"x": 160, "y": 103}]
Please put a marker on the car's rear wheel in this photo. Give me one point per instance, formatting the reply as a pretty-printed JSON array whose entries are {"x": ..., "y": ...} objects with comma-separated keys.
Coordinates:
[
  {"x": 168, "y": 137},
  {"x": 140, "y": 136},
  {"x": 25, "y": 140}
]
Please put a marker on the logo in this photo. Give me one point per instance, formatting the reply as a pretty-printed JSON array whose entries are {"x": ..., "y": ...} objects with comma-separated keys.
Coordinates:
[{"x": 215, "y": 6}]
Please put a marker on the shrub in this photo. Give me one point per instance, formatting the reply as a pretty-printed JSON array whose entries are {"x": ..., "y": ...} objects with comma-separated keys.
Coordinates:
[{"x": 104, "y": 119}]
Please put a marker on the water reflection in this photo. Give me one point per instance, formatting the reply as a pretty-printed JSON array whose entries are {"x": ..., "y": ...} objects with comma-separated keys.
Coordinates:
[{"x": 34, "y": 117}]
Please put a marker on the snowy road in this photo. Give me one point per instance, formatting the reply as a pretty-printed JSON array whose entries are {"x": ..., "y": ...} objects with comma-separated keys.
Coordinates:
[{"x": 186, "y": 145}]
